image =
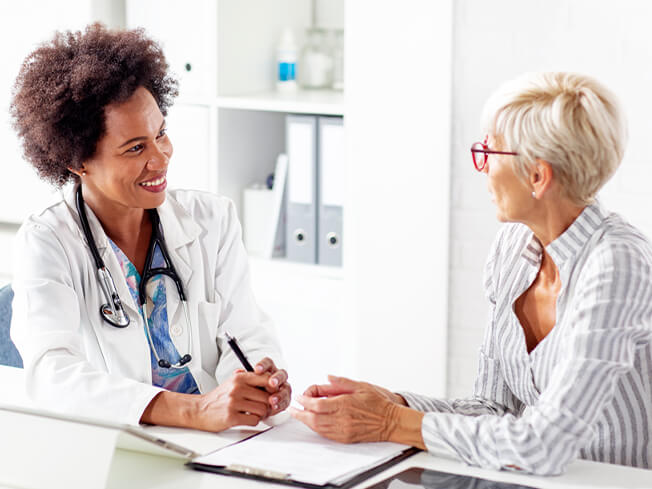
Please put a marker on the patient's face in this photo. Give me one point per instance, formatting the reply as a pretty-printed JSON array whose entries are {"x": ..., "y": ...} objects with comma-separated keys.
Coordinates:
[
  {"x": 129, "y": 167},
  {"x": 510, "y": 194}
]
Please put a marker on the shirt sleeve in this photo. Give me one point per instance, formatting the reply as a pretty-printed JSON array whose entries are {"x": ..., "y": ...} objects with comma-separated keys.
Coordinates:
[
  {"x": 46, "y": 328},
  {"x": 491, "y": 394},
  {"x": 610, "y": 320},
  {"x": 240, "y": 315}
]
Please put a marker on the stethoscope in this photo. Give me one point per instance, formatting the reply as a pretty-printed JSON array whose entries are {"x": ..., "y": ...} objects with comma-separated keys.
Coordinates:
[{"x": 113, "y": 311}]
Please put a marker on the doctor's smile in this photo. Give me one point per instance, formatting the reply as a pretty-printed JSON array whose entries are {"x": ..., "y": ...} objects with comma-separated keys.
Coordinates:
[{"x": 155, "y": 185}]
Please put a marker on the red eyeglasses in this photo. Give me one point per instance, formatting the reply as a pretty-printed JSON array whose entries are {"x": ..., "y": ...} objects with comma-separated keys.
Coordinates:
[{"x": 480, "y": 153}]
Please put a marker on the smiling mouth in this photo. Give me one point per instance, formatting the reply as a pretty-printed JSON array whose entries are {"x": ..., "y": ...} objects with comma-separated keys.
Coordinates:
[{"x": 153, "y": 183}]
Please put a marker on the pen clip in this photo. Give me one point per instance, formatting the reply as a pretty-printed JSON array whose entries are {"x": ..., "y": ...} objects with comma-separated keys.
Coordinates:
[{"x": 267, "y": 474}]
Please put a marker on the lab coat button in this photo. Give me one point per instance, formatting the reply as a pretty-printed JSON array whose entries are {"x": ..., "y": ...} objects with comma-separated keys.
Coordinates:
[{"x": 176, "y": 330}]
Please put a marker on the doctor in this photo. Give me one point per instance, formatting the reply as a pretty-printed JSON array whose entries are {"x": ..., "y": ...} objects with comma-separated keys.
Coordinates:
[{"x": 124, "y": 291}]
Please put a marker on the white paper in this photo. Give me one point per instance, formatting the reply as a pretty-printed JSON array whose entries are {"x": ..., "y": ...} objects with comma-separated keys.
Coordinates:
[{"x": 295, "y": 450}]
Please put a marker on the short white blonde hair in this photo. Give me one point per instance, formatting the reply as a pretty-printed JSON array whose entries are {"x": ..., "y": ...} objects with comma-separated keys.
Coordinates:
[{"x": 567, "y": 119}]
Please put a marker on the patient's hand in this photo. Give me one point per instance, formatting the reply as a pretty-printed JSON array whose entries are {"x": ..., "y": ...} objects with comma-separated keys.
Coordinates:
[
  {"x": 339, "y": 385},
  {"x": 349, "y": 411}
]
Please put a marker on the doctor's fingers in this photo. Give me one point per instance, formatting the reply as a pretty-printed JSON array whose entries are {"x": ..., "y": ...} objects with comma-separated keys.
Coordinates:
[
  {"x": 251, "y": 379},
  {"x": 277, "y": 379},
  {"x": 265, "y": 365},
  {"x": 281, "y": 399},
  {"x": 250, "y": 407},
  {"x": 244, "y": 419},
  {"x": 321, "y": 405}
]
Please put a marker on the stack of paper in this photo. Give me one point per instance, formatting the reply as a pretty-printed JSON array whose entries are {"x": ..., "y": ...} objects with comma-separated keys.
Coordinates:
[{"x": 299, "y": 454}]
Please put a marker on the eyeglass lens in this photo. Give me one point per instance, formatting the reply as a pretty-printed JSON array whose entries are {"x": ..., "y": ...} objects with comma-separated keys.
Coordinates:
[{"x": 479, "y": 155}]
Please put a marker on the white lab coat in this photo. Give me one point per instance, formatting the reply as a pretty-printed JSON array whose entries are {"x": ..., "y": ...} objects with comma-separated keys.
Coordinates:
[{"x": 77, "y": 363}]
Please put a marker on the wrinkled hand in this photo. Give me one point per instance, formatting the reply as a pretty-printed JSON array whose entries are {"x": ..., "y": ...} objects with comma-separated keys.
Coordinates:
[
  {"x": 348, "y": 411},
  {"x": 277, "y": 385},
  {"x": 238, "y": 401}
]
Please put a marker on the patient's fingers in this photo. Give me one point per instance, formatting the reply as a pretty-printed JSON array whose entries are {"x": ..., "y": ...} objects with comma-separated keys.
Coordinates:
[
  {"x": 319, "y": 405},
  {"x": 325, "y": 390}
]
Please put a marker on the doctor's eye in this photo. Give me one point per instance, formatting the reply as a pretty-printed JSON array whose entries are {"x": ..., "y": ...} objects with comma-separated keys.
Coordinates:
[
  {"x": 163, "y": 133},
  {"x": 135, "y": 149}
]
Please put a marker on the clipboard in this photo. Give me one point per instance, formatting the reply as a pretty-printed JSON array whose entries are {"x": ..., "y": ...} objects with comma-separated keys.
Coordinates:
[{"x": 280, "y": 478}]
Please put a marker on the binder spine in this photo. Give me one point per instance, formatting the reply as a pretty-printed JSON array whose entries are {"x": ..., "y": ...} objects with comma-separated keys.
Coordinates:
[{"x": 301, "y": 146}]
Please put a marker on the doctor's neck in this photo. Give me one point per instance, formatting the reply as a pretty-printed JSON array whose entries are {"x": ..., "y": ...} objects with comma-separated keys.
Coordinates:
[{"x": 127, "y": 226}]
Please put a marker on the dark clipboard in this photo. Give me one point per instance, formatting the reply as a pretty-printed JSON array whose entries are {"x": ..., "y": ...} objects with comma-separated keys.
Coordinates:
[{"x": 356, "y": 479}]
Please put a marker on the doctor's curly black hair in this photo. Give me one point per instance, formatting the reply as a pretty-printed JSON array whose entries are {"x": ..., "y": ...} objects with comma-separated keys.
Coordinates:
[{"x": 64, "y": 86}]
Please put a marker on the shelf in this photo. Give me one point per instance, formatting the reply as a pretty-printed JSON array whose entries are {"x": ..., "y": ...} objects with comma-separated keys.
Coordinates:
[{"x": 325, "y": 102}]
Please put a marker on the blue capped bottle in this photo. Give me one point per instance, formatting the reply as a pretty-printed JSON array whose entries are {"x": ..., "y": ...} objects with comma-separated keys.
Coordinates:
[{"x": 286, "y": 62}]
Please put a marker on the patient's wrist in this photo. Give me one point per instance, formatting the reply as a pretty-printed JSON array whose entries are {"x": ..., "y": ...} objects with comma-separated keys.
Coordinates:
[{"x": 406, "y": 426}]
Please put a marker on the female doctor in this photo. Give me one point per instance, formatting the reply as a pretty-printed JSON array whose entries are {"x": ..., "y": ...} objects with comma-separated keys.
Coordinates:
[{"x": 125, "y": 292}]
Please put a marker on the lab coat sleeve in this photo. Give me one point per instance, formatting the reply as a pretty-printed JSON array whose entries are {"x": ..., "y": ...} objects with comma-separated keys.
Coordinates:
[
  {"x": 491, "y": 394},
  {"x": 611, "y": 321},
  {"x": 46, "y": 329},
  {"x": 240, "y": 315}
]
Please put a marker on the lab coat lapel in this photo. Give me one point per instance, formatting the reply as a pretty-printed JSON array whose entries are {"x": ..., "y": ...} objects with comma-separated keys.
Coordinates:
[{"x": 179, "y": 233}]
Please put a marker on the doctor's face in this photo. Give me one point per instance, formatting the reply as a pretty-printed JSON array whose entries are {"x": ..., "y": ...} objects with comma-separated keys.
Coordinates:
[
  {"x": 510, "y": 194},
  {"x": 130, "y": 164}
]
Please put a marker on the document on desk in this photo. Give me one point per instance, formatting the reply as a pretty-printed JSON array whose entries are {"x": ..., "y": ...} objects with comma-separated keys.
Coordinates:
[{"x": 294, "y": 452}]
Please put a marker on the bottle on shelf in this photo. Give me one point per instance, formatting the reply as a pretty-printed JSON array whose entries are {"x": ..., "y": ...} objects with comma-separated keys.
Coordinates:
[
  {"x": 286, "y": 62},
  {"x": 316, "y": 63}
]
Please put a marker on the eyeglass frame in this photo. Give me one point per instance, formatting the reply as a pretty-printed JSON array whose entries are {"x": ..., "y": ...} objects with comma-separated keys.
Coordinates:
[{"x": 486, "y": 151}]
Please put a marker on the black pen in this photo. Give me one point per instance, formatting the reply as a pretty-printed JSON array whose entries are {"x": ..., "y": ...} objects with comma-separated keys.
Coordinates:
[{"x": 233, "y": 343}]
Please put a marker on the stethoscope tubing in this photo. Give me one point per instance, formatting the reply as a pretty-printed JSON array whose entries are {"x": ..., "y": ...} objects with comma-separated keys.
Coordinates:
[{"x": 113, "y": 311}]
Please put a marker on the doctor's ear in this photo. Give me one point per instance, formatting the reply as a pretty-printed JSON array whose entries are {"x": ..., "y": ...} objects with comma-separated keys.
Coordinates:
[{"x": 80, "y": 172}]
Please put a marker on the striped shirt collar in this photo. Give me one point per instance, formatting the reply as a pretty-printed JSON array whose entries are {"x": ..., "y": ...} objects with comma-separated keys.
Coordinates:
[{"x": 571, "y": 241}]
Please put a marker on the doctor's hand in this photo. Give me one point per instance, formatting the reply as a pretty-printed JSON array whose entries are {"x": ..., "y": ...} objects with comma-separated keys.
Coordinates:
[
  {"x": 241, "y": 400},
  {"x": 350, "y": 412},
  {"x": 277, "y": 386}
]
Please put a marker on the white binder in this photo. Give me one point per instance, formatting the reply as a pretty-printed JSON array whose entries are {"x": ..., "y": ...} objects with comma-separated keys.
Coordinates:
[
  {"x": 301, "y": 147},
  {"x": 331, "y": 194}
]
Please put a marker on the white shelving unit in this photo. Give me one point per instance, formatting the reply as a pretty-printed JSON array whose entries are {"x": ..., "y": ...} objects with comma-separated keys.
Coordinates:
[
  {"x": 323, "y": 102},
  {"x": 383, "y": 315}
]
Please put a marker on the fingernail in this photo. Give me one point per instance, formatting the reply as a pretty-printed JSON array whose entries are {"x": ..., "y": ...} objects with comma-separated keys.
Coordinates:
[
  {"x": 259, "y": 368},
  {"x": 275, "y": 382}
]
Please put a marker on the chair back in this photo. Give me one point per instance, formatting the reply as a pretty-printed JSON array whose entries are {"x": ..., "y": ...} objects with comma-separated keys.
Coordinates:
[{"x": 8, "y": 353}]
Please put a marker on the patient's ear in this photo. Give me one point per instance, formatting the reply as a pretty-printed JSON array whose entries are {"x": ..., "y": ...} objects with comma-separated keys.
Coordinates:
[{"x": 541, "y": 177}]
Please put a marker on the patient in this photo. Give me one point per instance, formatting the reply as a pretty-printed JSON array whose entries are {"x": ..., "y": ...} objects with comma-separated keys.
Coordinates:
[{"x": 565, "y": 367}]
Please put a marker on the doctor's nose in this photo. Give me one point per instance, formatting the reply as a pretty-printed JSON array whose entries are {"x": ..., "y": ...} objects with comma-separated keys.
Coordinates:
[{"x": 158, "y": 162}]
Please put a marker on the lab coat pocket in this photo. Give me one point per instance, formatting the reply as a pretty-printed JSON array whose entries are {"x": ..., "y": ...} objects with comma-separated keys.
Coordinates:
[{"x": 208, "y": 321}]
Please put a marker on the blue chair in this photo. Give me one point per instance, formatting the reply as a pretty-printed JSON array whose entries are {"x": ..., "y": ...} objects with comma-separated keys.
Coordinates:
[{"x": 8, "y": 353}]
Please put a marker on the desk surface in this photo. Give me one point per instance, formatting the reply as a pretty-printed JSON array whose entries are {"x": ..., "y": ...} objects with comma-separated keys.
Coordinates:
[
  {"x": 130, "y": 469},
  {"x": 134, "y": 469}
]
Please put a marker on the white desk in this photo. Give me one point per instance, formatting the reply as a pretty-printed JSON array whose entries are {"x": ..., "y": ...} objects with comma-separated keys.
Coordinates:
[
  {"x": 147, "y": 471},
  {"x": 133, "y": 469}
]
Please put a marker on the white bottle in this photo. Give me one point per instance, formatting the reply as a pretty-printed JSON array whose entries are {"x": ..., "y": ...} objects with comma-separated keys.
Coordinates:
[{"x": 286, "y": 63}]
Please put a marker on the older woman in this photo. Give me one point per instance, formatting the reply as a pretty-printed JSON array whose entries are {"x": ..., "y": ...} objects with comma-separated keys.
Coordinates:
[
  {"x": 565, "y": 367},
  {"x": 124, "y": 291}
]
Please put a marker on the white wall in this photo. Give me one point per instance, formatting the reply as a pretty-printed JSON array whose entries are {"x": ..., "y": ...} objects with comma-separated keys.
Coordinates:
[{"x": 496, "y": 41}]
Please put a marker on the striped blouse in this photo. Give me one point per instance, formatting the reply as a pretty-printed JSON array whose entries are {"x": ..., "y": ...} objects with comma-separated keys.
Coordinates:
[{"x": 586, "y": 389}]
